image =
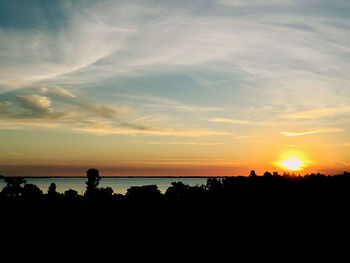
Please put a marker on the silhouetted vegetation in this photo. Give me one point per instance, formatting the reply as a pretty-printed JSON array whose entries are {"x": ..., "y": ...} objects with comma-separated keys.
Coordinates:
[
  {"x": 143, "y": 193},
  {"x": 14, "y": 188},
  {"x": 52, "y": 193},
  {"x": 266, "y": 192},
  {"x": 92, "y": 183},
  {"x": 31, "y": 191}
]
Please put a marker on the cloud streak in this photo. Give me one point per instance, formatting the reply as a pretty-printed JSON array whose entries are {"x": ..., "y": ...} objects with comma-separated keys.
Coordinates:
[
  {"x": 309, "y": 132},
  {"x": 232, "y": 121},
  {"x": 318, "y": 113},
  {"x": 151, "y": 132}
]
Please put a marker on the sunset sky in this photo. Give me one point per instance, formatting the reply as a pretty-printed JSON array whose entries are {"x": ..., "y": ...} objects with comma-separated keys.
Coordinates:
[{"x": 201, "y": 87}]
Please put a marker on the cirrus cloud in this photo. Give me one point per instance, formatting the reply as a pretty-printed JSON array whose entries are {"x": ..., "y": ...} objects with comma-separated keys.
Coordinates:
[{"x": 309, "y": 132}]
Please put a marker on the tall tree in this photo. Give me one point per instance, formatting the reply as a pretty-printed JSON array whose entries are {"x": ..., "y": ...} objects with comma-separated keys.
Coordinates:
[{"x": 92, "y": 182}]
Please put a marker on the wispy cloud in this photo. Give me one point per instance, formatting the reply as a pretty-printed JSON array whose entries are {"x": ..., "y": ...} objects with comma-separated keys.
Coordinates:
[
  {"x": 180, "y": 62},
  {"x": 181, "y": 143},
  {"x": 65, "y": 110},
  {"x": 315, "y": 131},
  {"x": 168, "y": 104},
  {"x": 238, "y": 3},
  {"x": 246, "y": 122},
  {"x": 317, "y": 113},
  {"x": 152, "y": 132},
  {"x": 56, "y": 90},
  {"x": 225, "y": 120}
]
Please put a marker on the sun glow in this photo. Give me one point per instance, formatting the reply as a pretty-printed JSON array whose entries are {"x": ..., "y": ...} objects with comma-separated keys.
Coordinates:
[{"x": 292, "y": 163}]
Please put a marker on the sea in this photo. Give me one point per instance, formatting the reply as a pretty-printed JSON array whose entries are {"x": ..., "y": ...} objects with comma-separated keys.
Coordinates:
[{"x": 118, "y": 184}]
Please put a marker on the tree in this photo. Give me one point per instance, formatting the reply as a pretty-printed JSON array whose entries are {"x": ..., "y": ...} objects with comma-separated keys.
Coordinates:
[
  {"x": 71, "y": 194},
  {"x": 13, "y": 188},
  {"x": 252, "y": 173},
  {"x": 267, "y": 174},
  {"x": 143, "y": 193},
  {"x": 51, "y": 192},
  {"x": 92, "y": 182},
  {"x": 214, "y": 185},
  {"x": 31, "y": 191},
  {"x": 177, "y": 191},
  {"x": 52, "y": 189},
  {"x": 104, "y": 193}
]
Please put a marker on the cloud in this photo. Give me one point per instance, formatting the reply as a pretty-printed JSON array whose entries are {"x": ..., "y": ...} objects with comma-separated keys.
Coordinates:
[
  {"x": 245, "y": 122},
  {"x": 86, "y": 107},
  {"x": 321, "y": 130},
  {"x": 31, "y": 54},
  {"x": 181, "y": 143},
  {"x": 101, "y": 110},
  {"x": 242, "y": 53},
  {"x": 57, "y": 103},
  {"x": 151, "y": 132},
  {"x": 5, "y": 107},
  {"x": 167, "y": 104},
  {"x": 138, "y": 127},
  {"x": 56, "y": 91},
  {"x": 224, "y": 120},
  {"x": 238, "y": 3},
  {"x": 37, "y": 111},
  {"x": 318, "y": 113},
  {"x": 35, "y": 103},
  {"x": 34, "y": 107}
]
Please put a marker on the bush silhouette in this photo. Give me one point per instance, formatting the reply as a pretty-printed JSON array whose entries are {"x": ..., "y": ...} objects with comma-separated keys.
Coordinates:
[
  {"x": 71, "y": 194},
  {"x": 143, "y": 193}
]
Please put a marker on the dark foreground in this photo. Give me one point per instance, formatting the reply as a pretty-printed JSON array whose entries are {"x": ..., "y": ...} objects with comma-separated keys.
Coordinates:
[
  {"x": 282, "y": 197},
  {"x": 254, "y": 211}
]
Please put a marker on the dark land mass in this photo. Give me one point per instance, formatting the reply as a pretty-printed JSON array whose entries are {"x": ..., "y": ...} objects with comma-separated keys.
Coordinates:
[
  {"x": 244, "y": 205},
  {"x": 271, "y": 190}
]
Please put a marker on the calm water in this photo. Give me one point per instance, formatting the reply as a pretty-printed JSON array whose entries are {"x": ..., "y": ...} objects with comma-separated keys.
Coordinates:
[{"x": 119, "y": 185}]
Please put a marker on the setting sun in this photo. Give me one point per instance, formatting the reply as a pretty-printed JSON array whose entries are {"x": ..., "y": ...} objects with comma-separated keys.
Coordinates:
[{"x": 292, "y": 163}]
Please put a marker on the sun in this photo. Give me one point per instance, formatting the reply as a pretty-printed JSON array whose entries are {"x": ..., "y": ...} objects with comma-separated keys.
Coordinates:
[{"x": 292, "y": 163}]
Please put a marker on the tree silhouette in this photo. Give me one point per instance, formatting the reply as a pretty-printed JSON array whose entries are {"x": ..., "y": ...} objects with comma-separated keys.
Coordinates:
[
  {"x": 31, "y": 191},
  {"x": 71, "y": 194},
  {"x": 214, "y": 185},
  {"x": 92, "y": 182},
  {"x": 13, "y": 189},
  {"x": 143, "y": 193},
  {"x": 252, "y": 173},
  {"x": 177, "y": 191},
  {"x": 104, "y": 193},
  {"x": 267, "y": 174},
  {"x": 52, "y": 189},
  {"x": 51, "y": 192}
]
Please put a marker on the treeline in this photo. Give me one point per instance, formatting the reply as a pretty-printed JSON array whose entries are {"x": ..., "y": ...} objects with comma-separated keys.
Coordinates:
[{"x": 271, "y": 188}]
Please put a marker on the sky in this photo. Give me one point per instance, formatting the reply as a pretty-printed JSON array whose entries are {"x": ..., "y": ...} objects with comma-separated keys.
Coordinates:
[{"x": 202, "y": 87}]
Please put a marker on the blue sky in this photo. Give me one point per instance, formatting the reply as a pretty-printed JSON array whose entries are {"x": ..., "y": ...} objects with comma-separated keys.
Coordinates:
[{"x": 210, "y": 75}]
